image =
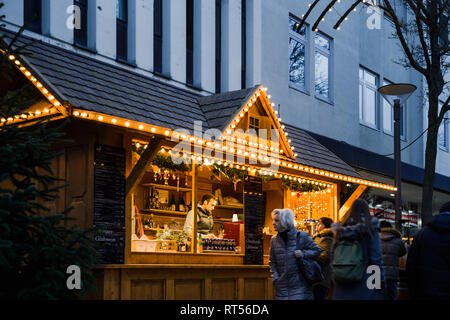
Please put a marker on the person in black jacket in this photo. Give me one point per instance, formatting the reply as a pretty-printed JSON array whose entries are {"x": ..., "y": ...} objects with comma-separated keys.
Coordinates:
[
  {"x": 428, "y": 261},
  {"x": 392, "y": 248},
  {"x": 324, "y": 239}
]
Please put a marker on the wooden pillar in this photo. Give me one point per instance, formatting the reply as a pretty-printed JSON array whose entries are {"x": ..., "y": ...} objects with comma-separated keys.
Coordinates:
[
  {"x": 139, "y": 169},
  {"x": 134, "y": 177},
  {"x": 344, "y": 211},
  {"x": 194, "y": 205}
]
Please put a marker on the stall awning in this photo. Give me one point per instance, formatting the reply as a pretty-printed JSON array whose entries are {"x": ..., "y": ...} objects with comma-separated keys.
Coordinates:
[{"x": 91, "y": 89}]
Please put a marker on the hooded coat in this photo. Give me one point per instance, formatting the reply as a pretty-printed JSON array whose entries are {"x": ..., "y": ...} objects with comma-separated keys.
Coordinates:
[
  {"x": 372, "y": 255},
  {"x": 428, "y": 261},
  {"x": 286, "y": 277},
  {"x": 392, "y": 248},
  {"x": 324, "y": 240}
]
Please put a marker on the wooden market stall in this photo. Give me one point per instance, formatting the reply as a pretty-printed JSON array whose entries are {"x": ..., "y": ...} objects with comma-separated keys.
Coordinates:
[{"x": 138, "y": 162}]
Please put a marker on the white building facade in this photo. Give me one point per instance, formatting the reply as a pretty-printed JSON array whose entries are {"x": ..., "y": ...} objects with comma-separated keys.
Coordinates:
[{"x": 322, "y": 81}]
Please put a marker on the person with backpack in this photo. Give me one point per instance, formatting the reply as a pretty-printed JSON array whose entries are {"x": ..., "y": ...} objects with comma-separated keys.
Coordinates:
[
  {"x": 428, "y": 261},
  {"x": 324, "y": 239},
  {"x": 393, "y": 248},
  {"x": 357, "y": 256},
  {"x": 285, "y": 251}
]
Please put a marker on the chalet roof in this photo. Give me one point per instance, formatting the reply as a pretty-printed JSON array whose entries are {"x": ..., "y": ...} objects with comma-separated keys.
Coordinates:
[{"x": 89, "y": 84}]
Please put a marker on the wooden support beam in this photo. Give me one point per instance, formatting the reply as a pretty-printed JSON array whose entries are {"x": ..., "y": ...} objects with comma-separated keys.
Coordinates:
[
  {"x": 194, "y": 209},
  {"x": 139, "y": 169},
  {"x": 344, "y": 211}
]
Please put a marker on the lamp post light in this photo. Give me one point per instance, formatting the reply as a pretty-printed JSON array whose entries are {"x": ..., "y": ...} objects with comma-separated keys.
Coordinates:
[{"x": 396, "y": 95}]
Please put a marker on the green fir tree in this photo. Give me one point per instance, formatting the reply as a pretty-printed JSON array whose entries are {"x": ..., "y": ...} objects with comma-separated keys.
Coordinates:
[{"x": 35, "y": 246}]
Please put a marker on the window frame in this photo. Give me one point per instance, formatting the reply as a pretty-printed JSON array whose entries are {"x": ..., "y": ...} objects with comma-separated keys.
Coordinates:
[
  {"x": 122, "y": 23},
  {"x": 444, "y": 123},
  {"x": 402, "y": 115},
  {"x": 158, "y": 36},
  {"x": 329, "y": 54},
  {"x": 376, "y": 95},
  {"x": 84, "y": 8},
  {"x": 190, "y": 18},
  {"x": 37, "y": 26},
  {"x": 218, "y": 46},
  {"x": 243, "y": 44},
  {"x": 383, "y": 100},
  {"x": 305, "y": 41},
  {"x": 404, "y": 15}
]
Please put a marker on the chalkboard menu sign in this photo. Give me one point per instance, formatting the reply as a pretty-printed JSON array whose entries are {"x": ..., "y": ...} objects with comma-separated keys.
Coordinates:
[
  {"x": 109, "y": 203},
  {"x": 254, "y": 215}
]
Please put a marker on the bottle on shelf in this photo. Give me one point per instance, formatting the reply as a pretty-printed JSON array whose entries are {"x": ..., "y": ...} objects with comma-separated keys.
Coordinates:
[
  {"x": 150, "y": 221},
  {"x": 172, "y": 203},
  {"x": 200, "y": 243},
  {"x": 181, "y": 204}
]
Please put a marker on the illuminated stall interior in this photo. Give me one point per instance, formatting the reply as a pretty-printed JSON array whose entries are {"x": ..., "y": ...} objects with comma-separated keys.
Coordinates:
[{"x": 160, "y": 193}]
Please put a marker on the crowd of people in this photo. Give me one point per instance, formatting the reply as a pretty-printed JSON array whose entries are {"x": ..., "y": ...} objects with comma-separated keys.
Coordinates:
[{"x": 359, "y": 258}]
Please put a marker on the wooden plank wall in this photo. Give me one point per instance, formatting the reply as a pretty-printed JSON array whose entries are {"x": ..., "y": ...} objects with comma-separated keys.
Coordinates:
[{"x": 189, "y": 282}]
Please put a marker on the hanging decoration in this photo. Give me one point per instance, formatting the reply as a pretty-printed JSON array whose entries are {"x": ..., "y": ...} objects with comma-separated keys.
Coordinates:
[
  {"x": 233, "y": 174},
  {"x": 163, "y": 162},
  {"x": 301, "y": 186}
]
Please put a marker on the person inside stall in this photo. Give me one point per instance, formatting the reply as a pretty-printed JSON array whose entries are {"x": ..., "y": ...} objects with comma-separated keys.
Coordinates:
[{"x": 205, "y": 221}]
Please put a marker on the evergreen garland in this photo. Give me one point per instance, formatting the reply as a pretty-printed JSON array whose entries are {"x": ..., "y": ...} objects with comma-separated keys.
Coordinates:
[
  {"x": 301, "y": 186},
  {"x": 233, "y": 174},
  {"x": 164, "y": 162}
]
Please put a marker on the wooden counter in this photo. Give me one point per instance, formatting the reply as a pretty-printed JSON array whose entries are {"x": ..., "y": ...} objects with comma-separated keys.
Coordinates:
[{"x": 183, "y": 282}]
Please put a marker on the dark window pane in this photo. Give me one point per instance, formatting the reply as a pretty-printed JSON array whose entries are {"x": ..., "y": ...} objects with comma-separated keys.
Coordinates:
[
  {"x": 190, "y": 41},
  {"x": 157, "y": 35},
  {"x": 122, "y": 29},
  {"x": 218, "y": 43},
  {"x": 32, "y": 16},
  {"x": 294, "y": 24},
  {"x": 122, "y": 10},
  {"x": 297, "y": 62},
  {"x": 244, "y": 43},
  {"x": 80, "y": 35}
]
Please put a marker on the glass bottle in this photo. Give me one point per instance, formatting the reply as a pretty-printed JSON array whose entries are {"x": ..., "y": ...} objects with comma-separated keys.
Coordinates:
[
  {"x": 200, "y": 243},
  {"x": 172, "y": 203},
  {"x": 181, "y": 204}
]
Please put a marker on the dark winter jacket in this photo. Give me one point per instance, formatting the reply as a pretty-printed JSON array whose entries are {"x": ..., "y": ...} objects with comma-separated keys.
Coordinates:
[
  {"x": 392, "y": 248},
  {"x": 428, "y": 261},
  {"x": 205, "y": 221},
  {"x": 288, "y": 282},
  {"x": 372, "y": 255},
  {"x": 324, "y": 240}
]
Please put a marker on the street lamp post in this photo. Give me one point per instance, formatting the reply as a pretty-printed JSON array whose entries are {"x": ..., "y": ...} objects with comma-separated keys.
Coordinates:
[{"x": 396, "y": 95}]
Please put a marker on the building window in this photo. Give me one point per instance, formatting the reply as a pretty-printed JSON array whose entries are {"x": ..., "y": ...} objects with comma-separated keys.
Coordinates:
[
  {"x": 122, "y": 29},
  {"x": 443, "y": 131},
  {"x": 189, "y": 42},
  {"x": 388, "y": 116},
  {"x": 32, "y": 15},
  {"x": 81, "y": 34},
  {"x": 400, "y": 9},
  {"x": 157, "y": 35},
  {"x": 254, "y": 124},
  {"x": 322, "y": 58},
  {"x": 218, "y": 43},
  {"x": 297, "y": 55},
  {"x": 368, "y": 84},
  {"x": 243, "y": 43}
]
